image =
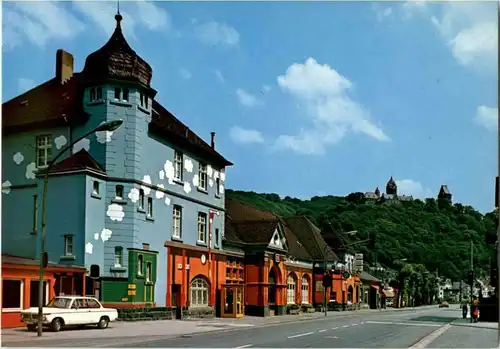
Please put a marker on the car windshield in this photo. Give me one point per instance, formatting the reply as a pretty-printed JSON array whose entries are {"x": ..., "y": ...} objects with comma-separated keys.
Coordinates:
[{"x": 61, "y": 303}]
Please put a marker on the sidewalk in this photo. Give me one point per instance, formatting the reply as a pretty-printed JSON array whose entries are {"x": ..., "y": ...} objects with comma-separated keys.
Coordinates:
[
  {"x": 135, "y": 332},
  {"x": 467, "y": 323}
]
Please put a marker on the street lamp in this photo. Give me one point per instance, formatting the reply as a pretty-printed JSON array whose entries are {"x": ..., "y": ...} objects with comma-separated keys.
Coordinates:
[{"x": 107, "y": 126}]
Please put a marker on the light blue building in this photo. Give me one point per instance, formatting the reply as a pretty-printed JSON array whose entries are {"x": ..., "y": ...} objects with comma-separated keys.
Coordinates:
[{"x": 116, "y": 197}]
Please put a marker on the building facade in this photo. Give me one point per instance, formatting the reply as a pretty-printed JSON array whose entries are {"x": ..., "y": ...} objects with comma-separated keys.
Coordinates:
[{"x": 117, "y": 198}]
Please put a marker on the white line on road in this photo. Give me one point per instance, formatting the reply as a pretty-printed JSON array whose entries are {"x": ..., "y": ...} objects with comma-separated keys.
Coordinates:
[
  {"x": 426, "y": 341},
  {"x": 362, "y": 323},
  {"x": 301, "y": 335},
  {"x": 322, "y": 331},
  {"x": 345, "y": 326},
  {"x": 403, "y": 323},
  {"x": 244, "y": 346},
  {"x": 333, "y": 337},
  {"x": 335, "y": 328},
  {"x": 354, "y": 324}
]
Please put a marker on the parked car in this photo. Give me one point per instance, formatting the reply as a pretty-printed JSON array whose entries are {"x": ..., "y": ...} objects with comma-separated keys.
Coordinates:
[
  {"x": 66, "y": 311},
  {"x": 444, "y": 305}
]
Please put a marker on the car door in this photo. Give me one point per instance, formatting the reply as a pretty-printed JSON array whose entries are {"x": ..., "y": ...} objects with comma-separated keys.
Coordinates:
[
  {"x": 71, "y": 315},
  {"x": 81, "y": 312},
  {"x": 95, "y": 310}
]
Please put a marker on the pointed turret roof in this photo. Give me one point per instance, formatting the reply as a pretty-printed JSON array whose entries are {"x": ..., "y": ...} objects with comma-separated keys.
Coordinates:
[{"x": 116, "y": 59}]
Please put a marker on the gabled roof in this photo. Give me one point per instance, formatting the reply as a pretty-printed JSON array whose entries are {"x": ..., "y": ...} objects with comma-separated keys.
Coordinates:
[
  {"x": 166, "y": 125},
  {"x": 310, "y": 237},
  {"x": 81, "y": 160},
  {"x": 49, "y": 104},
  {"x": 444, "y": 189}
]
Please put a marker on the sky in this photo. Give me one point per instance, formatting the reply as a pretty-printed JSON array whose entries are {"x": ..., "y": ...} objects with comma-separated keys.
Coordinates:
[{"x": 306, "y": 99}]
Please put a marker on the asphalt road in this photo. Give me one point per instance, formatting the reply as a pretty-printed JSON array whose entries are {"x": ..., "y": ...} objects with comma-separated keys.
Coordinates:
[{"x": 404, "y": 329}]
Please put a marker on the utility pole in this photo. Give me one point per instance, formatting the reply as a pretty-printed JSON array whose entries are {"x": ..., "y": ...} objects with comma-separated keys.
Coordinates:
[{"x": 472, "y": 281}]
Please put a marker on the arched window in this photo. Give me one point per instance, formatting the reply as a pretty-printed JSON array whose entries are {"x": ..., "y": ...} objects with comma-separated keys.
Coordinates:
[
  {"x": 290, "y": 290},
  {"x": 199, "y": 293},
  {"x": 140, "y": 264},
  {"x": 305, "y": 290}
]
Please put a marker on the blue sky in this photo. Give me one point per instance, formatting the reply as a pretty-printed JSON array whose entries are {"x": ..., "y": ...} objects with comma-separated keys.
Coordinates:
[{"x": 306, "y": 98}]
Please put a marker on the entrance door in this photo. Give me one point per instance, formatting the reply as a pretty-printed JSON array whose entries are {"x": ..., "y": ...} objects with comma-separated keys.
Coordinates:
[
  {"x": 228, "y": 302},
  {"x": 176, "y": 300},
  {"x": 239, "y": 302}
]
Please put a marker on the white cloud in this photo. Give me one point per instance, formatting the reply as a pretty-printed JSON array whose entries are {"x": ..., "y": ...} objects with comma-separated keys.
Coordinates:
[
  {"x": 246, "y": 99},
  {"x": 152, "y": 16},
  {"x": 382, "y": 12},
  {"x": 214, "y": 33},
  {"x": 115, "y": 213},
  {"x": 106, "y": 234},
  {"x": 18, "y": 158},
  {"x": 38, "y": 22},
  {"x": 245, "y": 136},
  {"x": 24, "y": 84},
  {"x": 487, "y": 117},
  {"x": 469, "y": 29},
  {"x": 219, "y": 76},
  {"x": 82, "y": 144},
  {"x": 60, "y": 141},
  {"x": 414, "y": 188},
  {"x": 332, "y": 113},
  {"x": 185, "y": 74}
]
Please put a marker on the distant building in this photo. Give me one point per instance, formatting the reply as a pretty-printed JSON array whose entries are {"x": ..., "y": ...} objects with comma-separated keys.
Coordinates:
[
  {"x": 444, "y": 193},
  {"x": 391, "y": 193}
]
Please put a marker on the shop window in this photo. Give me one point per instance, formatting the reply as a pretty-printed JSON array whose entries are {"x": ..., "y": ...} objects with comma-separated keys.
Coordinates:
[
  {"x": 290, "y": 290},
  {"x": 305, "y": 290},
  {"x": 12, "y": 295},
  {"x": 34, "y": 284}
]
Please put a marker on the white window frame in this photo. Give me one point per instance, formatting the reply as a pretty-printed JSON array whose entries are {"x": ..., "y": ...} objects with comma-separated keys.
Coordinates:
[
  {"x": 177, "y": 222},
  {"x": 203, "y": 177},
  {"x": 290, "y": 289},
  {"x": 43, "y": 149},
  {"x": 199, "y": 288},
  {"x": 21, "y": 295},
  {"x": 217, "y": 187},
  {"x": 178, "y": 162},
  {"x": 305, "y": 290},
  {"x": 149, "y": 211},
  {"x": 202, "y": 227},
  {"x": 118, "y": 257},
  {"x": 149, "y": 272},
  {"x": 141, "y": 199},
  {"x": 96, "y": 187},
  {"x": 140, "y": 264},
  {"x": 68, "y": 238}
]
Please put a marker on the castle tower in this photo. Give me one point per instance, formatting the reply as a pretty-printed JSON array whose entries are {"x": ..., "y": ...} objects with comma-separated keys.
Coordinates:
[
  {"x": 391, "y": 187},
  {"x": 377, "y": 192},
  {"x": 444, "y": 193}
]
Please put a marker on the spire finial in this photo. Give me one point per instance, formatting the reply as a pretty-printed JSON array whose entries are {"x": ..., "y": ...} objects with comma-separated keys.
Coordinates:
[{"x": 118, "y": 16}]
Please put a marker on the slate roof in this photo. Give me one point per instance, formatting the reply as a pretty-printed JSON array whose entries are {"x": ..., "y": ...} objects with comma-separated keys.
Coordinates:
[
  {"x": 367, "y": 277},
  {"x": 310, "y": 237},
  {"x": 247, "y": 224},
  {"x": 46, "y": 105},
  {"x": 16, "y": 260},
  {"x": 79, "y": 161}
]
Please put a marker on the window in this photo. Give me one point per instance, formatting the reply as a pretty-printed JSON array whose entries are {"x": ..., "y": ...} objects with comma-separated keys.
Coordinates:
[
  {"x": 216, "y": 237},
  {"x": 141, "y": 95},
  {"x": 217, "y": 187},
  {"x": 68, "y": 245},
  {"x": 35, "y": 212},
  {"x": 34, "y": 284},
  {"x": 117, "y": 92},
  {"x": 178, "y": 165},
  {"x": 99, "y": 93},
  {"x": 118, "y": 256},
  {"x": 202, "y": 227},
  {"x": 43, "y": 151},
  {"x": 199, "y": 293},
  {"x": 290, "y": 290},
  {"x": 92, "y": 303},
  {"x": 150, "y": 207},
  {"x": 119, "y": 192},
  {"x": 202, "y": 173},
  {"x": 305, "y": 290},
  {"x": 95, "y": 188},
  {"x": 141, "y": 199},
  {"x": 12, "y": 294},
  {"x": 140, "y": 264},
  {"x": 177, "y": 222},
  {"x": 148, "y": 272},
  {"x": 92, "y": 94},
  {"x": 125, "y": 94}
]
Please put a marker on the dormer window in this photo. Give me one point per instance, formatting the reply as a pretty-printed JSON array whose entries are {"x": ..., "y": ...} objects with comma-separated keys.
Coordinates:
[
  {"x": 141, "y": 97},
  {"x": 117, "y": 93},
  {"x": 125, "y": 94}
]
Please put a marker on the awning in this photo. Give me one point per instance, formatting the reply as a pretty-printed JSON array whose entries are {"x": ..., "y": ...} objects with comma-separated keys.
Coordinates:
[{"x": 388, "y": 294}]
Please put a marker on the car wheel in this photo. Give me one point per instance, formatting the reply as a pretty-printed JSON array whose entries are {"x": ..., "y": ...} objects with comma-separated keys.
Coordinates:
[
  {"x": 56, "y": 324},
  {"x": 103, "y": 323}
]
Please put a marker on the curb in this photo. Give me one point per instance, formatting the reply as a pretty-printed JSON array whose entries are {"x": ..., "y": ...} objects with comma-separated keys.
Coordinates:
[{"x": 472, "y": 326}]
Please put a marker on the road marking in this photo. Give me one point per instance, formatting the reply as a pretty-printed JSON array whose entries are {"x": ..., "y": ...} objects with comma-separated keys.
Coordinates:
[
  {"x": 426, "y": 341},
  {"x": 403, "y": 323},
  {"x": 322, "y": 331},
  {"x": 362, "y": 323},
  {"x": 301, "y": 335},
  {"x": 335, "y": 328},
  {"x": 244, "y": 346},
  {"x": 332, "y": 337},
  {"x": 345, "y": 326},
  {"x": 354, "y": 324}
]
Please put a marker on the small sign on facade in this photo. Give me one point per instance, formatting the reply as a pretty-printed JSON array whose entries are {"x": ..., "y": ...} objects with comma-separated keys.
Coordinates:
[
  {"x": 203, "y": 259},
  {"x": 131, "y": 286},
  {"x": 131, "y": 292}
]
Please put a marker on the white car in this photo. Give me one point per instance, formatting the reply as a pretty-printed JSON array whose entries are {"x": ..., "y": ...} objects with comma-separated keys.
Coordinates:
[{"x": 70, "y": 311}]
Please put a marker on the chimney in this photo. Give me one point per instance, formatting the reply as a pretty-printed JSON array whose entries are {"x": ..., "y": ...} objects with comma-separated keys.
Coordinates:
[
  {"x": 64, "y": 66},
  {"x": 212, "y": 140}
]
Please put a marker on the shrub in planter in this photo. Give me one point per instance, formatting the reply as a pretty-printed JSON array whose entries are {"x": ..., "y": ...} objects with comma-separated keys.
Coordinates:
[
  {"x": 292, "y": 309},
  {"x": 306, "y": 308}
]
